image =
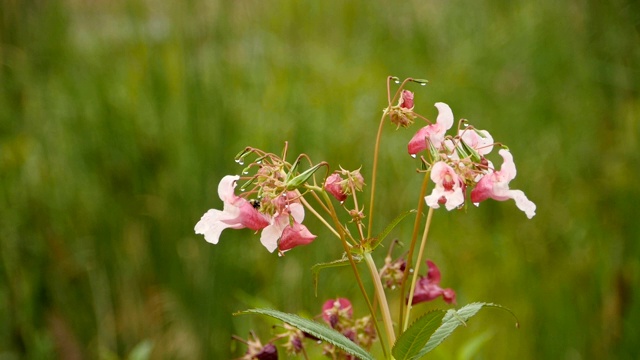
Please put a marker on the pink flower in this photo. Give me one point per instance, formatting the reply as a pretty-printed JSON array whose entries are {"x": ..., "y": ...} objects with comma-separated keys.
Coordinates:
[
  {"x": 495, "y": 185},
  {"x": 433, "y": 133},
  {"x": 335, "y": 309},
  {"x": 295, "y": 235},
  {"x": 407, "y": 100},
  {"x": 334, "y": 186},
  {"x": 479, "y": 140},
  {"x": 427, "y": 287},
  {"x": 237, "y": 213},
  {"x": 448, "y": 188}
]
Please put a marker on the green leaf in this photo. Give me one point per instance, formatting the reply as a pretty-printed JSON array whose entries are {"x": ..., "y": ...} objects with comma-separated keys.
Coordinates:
[
  {"x": 454, "y": 318},
  {"x": 316, "y": 329},
  {"x": 315, "y": 269},
  {"x": 378, "y": 239},
  {"x": 416, "y": 336}
]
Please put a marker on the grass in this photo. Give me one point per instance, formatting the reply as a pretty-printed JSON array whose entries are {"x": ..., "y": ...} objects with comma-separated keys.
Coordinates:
[{"x": 118, "y": 119}]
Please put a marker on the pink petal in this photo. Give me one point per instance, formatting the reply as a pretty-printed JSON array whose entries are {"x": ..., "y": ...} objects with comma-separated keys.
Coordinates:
[
  {"x": 418, "y": 142},
  {"x": 295, "y": 235}
]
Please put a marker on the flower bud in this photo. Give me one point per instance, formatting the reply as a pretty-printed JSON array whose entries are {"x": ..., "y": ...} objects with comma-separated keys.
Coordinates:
[{"x": 335, "y": 186}]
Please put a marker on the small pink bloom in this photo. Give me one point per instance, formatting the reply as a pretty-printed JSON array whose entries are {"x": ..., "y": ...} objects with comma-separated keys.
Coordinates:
[
  {"x": 237, "y": 213},
  {"x": 407, "y": 100},
  {"x": 428, "y": 288},
  {"x": 479, "y": 140},
  {"x": 334, "y": 309},
  {"x": 433, "y": 133},
  {"x": 295, "y": 235},
  {"x": 448, "y": 188},
  {"x": 334, "y": 186},
  {"x": 495, "y": 185}
]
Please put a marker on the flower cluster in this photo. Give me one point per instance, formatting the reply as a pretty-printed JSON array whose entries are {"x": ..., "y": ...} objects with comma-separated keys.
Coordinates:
[
  {"x": 274, "y": 207},
  {"x": 274, "y": 194},
  {"x": 338, "y": 313},
  {"x": 458, "y": 163}
]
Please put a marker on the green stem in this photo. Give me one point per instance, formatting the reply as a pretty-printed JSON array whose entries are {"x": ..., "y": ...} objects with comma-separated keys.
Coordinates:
[
  {"x": 376, "y": 150},
  {"x": 382, "y": 299},
  {"x": 423, "y": 242},
  {"x": 347, "y": 250},
  {"x": 414, "y": 238}
]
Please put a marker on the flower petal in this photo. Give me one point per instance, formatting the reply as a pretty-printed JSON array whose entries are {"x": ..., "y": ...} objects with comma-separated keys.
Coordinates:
[
  {"x": 211, "y": 226},
  {"x": 445, "y": 116},
  {"x": 226, "y": 187}
]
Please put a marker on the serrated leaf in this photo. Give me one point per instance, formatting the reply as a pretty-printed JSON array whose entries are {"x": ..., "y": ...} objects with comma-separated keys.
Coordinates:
[
  {"x": 316, "y": 329},
  {"x": 452, "y": 319},
  {"x": 315, "y": 269},
  {"x": 378, "y": 239},
  {"x": 416, "y": 336}
]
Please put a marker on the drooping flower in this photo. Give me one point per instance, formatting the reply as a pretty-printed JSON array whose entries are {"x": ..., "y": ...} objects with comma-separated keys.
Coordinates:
[
  {"x": 406, "y": 101},
  {"x": 341, "y": 187},
  {"x": 433, "y": 133},
  {"x": 334, "y": 186},
  {"x": 495, "y": 185},
  {"x": 295, "y": 235},
  {"x": 428, "y": 288},
  {"x": 286, "y": 230},
  {"x": 237, "y": 213},
  {"x": 448, "y": 188}
]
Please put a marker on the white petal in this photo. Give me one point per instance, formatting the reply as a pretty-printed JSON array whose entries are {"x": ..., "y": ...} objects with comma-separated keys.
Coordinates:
[
  {"x": 297, "y": 211},
  {"x": 269, "y": 237},
  {"x": 226, "y": 187},
  {"x": 211, "y": 227},
  {"x": 523, "y": 203},
  {"x": 454, "y": 199},
  {"x": 445, "y": 115}
]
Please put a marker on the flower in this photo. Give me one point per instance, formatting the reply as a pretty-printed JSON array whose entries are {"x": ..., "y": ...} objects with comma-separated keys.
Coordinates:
[
  {"x": 433, "y": 133},
  {"x": 495, "y": 185},
  {"x": 479, "y": 140},
  {"x": 334, "y": 310},
  {"x": 406, "y": 102},
  {"x": 237, "y": 213},
  {"x": 285, "y": 230},
  {"x": 255, "y": 350},
  {"x": 448, "y": 188},
  {"x": 334, "y": 186},
  {"x": 295, "y": 235},
  {"x": 427, "y": 287},
  {"x": 340, "y": 188},
  {"x": 268, "y": 352}
]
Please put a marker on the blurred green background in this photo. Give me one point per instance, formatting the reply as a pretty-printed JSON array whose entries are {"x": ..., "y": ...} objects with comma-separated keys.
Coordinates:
[{"x": 118, "y": 119}]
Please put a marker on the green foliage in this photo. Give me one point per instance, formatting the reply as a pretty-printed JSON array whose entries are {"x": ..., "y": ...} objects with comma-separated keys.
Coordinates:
[
  {"x": 451, "y": 320},
  {"x": 416, "y": 336},
  {"x": 387, "y": 230},
  {"x": 316, "y": 329}
]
